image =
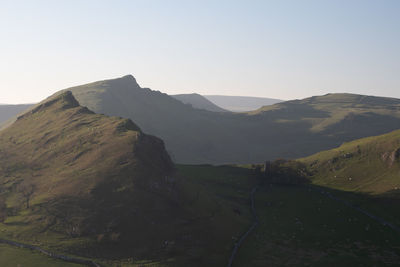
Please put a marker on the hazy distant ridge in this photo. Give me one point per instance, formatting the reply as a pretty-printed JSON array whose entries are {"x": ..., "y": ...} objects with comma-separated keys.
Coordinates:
[
  {"x": 199, "y": 102},
  {"x": 241, "y": 103},
  {"x": 9, "y": 111}
]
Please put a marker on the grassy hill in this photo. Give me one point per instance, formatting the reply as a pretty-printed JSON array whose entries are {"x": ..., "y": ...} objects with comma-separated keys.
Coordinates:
[
  {"x": 70, "y": 171},
  {"x": 342, "y": 115},
  {"x": 369, "y": 165},
  {"x": 199, "y": 102},
  {"x": 290, "y": 129},
  {"x": 366, "y": 171},
  {"x": 84, "y": 184},
  {"x": 10, "y": 256},
  {"x": 241, "y": 103}
]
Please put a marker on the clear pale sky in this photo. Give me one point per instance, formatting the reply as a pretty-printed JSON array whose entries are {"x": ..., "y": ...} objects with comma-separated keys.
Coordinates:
[{"x": 279, "y": 49}]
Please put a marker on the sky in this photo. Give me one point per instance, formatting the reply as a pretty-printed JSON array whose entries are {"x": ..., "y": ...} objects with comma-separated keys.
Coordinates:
[{"x": 278, "y": 49}]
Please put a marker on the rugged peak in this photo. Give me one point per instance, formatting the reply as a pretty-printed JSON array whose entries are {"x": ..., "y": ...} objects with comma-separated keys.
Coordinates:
[
  {"x": 67, "y": 99},
  {"x": 127, "y": 124},
  {"x": 128, "y": 80},
  {"x": 64, "y": 100},
  {"x": 128, "y": 77}
]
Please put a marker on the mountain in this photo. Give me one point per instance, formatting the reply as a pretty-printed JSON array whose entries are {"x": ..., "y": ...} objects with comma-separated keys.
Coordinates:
[
  {"x": 241, "y": 103},
  {"x": 80, "y": 183},
  {"x": 9, "y": 111},
  {"x": 290, "y": 129},
  {"x": 67, "y": 170},
  {"x": 199, "y": 102},
  {"x": 369, "y": 165}
]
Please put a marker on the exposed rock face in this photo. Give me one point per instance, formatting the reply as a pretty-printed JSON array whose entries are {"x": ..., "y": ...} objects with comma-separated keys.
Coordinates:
[{"x": 391, "y": 157}]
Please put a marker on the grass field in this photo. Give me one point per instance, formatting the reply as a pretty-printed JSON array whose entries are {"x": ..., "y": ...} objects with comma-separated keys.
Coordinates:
[
  {"x": 18, "y": 257},
  {"x": 301, "y": 227},
  {"x": 216, "y": 205},
  {"x": 298, "y": 226}
]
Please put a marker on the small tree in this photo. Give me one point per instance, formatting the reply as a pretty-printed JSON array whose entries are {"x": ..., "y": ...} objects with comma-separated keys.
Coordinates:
[
  {"x": 3, "y": 209},
  {"x": 289, "y": 172},
  {"x": 27, "y": 189}
]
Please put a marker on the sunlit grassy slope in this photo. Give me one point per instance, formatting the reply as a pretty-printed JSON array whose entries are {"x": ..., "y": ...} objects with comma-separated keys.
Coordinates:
[
  {"x": 369, "y": 165},
  {"x": 290, "y": 129}
]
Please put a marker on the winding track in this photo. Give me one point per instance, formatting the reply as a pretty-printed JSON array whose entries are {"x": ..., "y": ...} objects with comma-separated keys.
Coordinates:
[{"x": 245, "y": 235}]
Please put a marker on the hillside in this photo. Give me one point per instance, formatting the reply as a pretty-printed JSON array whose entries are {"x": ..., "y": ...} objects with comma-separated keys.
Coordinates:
[
  {"x": 61, "y": 156},
  {"x": 299, "y": 226},
  {"x": 369, "y": 165},
  {"x": 289, "y": 129},
  {"x": 241, "y": 103},
  {"x": 69, "y": 171},
  {"x": 199, "y": 102},
  {"x": 9, "y": 111},
  {"x": 345, "y": 116},
  {"x": 367, "y": 173},
  {"x": 79, "y": 183}
]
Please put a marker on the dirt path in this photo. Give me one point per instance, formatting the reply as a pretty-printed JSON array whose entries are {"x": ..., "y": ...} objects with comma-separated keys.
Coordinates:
[
  {"x": 245, "y": 235},
  {"x": 51, "y": 254}
]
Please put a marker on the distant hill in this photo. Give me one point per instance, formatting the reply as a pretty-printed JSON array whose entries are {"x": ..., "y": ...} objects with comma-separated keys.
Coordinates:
[
  {"x": 9, "y": 111},
  {"x": 199, "y": 102},
  {"x": 369, "y": 165},
  {"x": 342, "y": 116},
  {"x": 290, "y": 129},
  {"x": 241, "y": 103}
]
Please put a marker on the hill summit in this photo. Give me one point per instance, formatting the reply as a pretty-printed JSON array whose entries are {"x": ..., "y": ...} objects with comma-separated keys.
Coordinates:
[{"x": 69, "y": 172}]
